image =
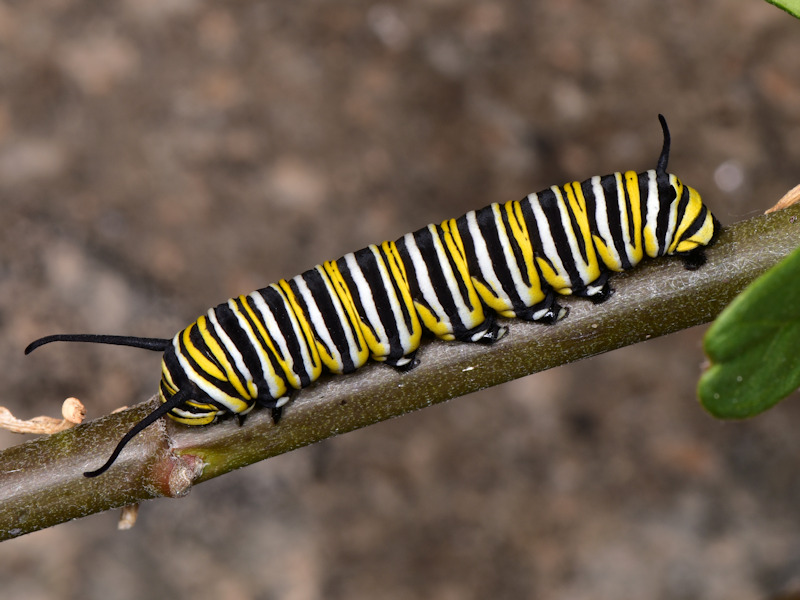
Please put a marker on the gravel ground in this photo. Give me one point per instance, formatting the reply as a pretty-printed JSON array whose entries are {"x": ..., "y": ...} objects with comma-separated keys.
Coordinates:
[{"x": 159, "y": 156}]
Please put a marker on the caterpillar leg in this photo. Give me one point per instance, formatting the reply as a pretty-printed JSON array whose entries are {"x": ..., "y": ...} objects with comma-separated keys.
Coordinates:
[
  {"x": 694, "y": 259},
  {"x": 403, "y": 363},
  {"x": 547, "y": 311},
  {"x": 275, "y": 405},
  {"x": 598, "y": 291},
  {"x": 487, "y": 332},
  {"x": 547, "y": 316},
  {"x": 600, "y": 294}
]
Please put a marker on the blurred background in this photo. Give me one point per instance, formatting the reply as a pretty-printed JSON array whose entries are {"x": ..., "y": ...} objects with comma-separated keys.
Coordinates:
[{"x": 159, "y": 156}]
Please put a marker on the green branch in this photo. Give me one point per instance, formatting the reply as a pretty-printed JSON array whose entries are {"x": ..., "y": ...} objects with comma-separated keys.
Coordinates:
[{"x": 41, "y": 482}]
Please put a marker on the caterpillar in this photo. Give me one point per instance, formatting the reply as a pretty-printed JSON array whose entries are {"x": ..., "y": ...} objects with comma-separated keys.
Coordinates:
[{"x": 450, "y": 280}]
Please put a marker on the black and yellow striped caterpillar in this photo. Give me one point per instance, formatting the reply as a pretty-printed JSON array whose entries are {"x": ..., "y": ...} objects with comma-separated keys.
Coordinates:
[{"x": 450, "y": 280}]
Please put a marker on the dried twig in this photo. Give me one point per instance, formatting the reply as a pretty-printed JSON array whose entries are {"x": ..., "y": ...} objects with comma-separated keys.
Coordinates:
[
  {"x": 72, "y": 411},
  {"x": 791, "y": 197}
]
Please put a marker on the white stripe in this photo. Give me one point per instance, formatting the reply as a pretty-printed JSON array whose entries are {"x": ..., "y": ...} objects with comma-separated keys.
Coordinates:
[
  {"x": 424, "y": 281},
  {"x": 485, "y": 264},
  {"x": 238, "y": 359},
  {"x": 546, "y": 238},
  {"x": 673, "y": 214},
  {"x": 396, "y": 303},
  {"x": 365, "y": 295},
  {"x": 368, "y": 303},
  {"x": 653, "y": 209},
  {"x": 622, "y": 206},
  {"x": 206, "y": 386},
  {"x": 523, "y": 291},
  {"x": 317, "y": 321},
  {"x": 277, "y": 336},
  {"x": 601, "y": 219},
  {"x": 464, "y": 311},
  {"x": 572, "y": 238},
  {"x": 193, "y": 415},
  {"x": 344, "y": 319},
  {"x": 267, "y": 369}
]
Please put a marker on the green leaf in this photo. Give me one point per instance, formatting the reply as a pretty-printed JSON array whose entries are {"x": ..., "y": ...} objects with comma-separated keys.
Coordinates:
[
  {"x": 790, "y": 6},
  {"x": 754, "y": 346}
]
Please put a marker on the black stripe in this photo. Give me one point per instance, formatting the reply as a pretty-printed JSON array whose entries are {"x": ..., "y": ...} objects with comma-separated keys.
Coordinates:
[
  {"x": 516, "y": 248},
  {"x": 662, "y": 211},
  {"x": 263, "y": 347},
  {"x": 424, "y": 242},
  {"x": 370, "y": 269},
  {"x": 536, "y": 241},
  {"x": 577, "y": 230},
  {"x": 347, "y": 277},
  {"x": 697, "y": 224},
  {"x": 196, "y": 340},
  {"x": 550, "y": 207},
  {"x": 285, "y": 318},
  {"x": 246, "y": 346},
  {"x": 400, "y": 287},
  {"x": 488, "y": 227},
  {"x": 230, "y": 325},
  {"x": 332, "y": 312},
  {"x": 611, "y": 198}
]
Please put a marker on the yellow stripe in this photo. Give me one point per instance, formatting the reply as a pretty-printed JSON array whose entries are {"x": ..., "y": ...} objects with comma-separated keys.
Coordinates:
[
  {"x": 519, "y": 230},
  {"x": 455, "y": 248},
  {"x": 609, "y": 260},
  {"x": 698, "y": 239},
  {"x": 558, "y": 283},
  {"x": 205, "y": 365},
  {"x": 577, "y": 204},
  {"x": 327, "y": 357},
  {"x": 271, "y": 350},
  {"x": 166, "y": 379},
  {"x": 500, "y": 306},
  {"x": 343, "y": 293},
  {"x": 635, "y": 204},
  {"x": 679, "y": 224},
  {"x": 201, "y": 405},
  {"x": 398, "y": 274},
  {"x": 231, "y": 374},
  {"x": 702, "y": 235},
  {"x": 521, "y": 235},
  {"x": 305, "y": 326},
  {"x": 689, "y": 216},
  {"x": 396, "y": 265},
  {"x": 200, "y": 419},
  {"x": 432, "y": 323}
]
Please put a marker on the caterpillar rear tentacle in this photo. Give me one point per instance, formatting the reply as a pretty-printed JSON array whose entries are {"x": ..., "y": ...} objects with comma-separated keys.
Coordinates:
[{"x": 450, "y": 280}]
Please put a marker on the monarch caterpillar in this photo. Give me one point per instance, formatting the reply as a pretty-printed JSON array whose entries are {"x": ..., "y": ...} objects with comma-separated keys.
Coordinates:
[{"x": 451, "y": 280}]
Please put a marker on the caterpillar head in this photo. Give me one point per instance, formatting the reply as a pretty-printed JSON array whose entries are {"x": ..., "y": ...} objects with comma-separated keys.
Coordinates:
[
  {"x": 198, "y": 361},
  {"x": 192, "y": 409}
]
